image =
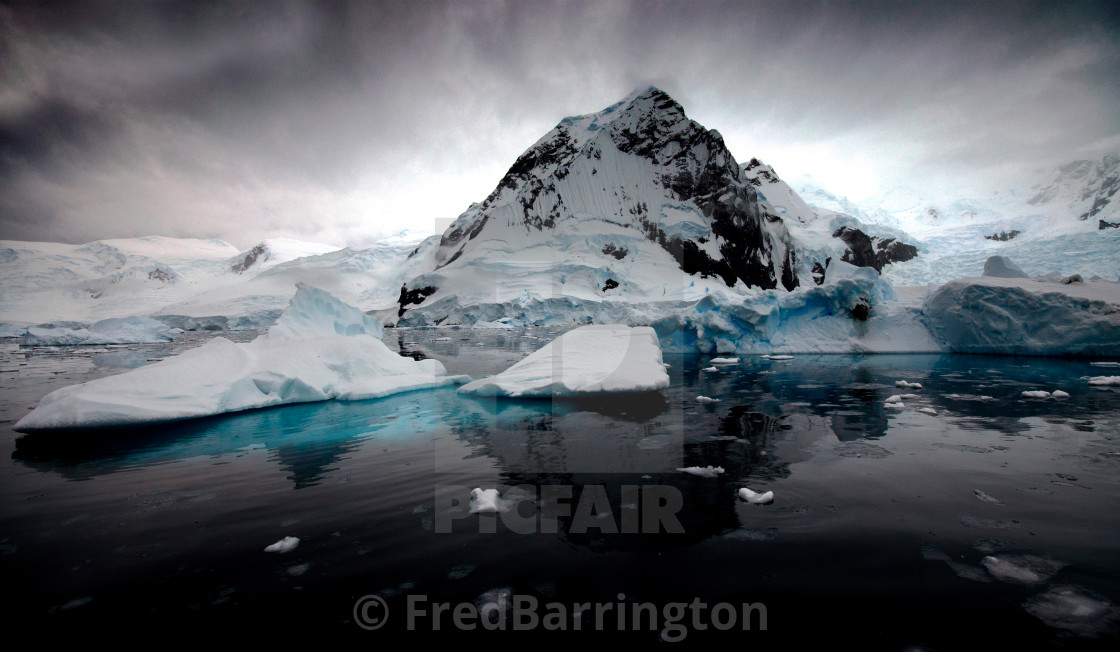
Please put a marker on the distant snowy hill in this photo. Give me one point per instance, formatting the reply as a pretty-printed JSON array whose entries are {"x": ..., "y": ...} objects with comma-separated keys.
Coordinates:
[
  {"x": 1066, "y": 223},
  {"x": 44, "y": 282},
  {"x": 633, "y": 204}
]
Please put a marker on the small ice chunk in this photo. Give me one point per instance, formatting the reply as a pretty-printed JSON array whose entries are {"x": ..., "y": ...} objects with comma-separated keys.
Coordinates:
[
  {"x": 928, "y": 410},
  {"x": 287, "y": 544},
  {"x": 893, "y": 399},
  {"x": 484, "y": 501},
  {"x": 703, "y": 471},
  {"x": 1105, "y": 380},
  {"x": 1074, "y": 609},
  {"x": 986, "y": 398},
  {"x": 725, "y": 361},
  {"x": 1105, "y": 364},
  {"x": 895, "y": 406},
  {"x": 1059, "y": 394},
  {"x": 706, "y": 399},
  {"x": 909, "y": 396},
  {"x": 755, "y": 497},
  {"x": 988, "y": 498},
  {"x": 1036, "y": 394},
  {"x": 1022, "y": 569},
  {"x": 777, "y": 357},
  {"x": 906, "y": 385},
  {"x": 710, "y": 369}
]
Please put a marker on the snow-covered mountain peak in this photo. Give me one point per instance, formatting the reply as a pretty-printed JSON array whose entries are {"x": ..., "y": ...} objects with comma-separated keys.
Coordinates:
[
  {"x": 638, "y": 177},
  {"x": 273, "y": 251}
]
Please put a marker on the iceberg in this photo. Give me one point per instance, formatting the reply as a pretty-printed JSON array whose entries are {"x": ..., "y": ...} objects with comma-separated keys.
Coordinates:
[
  {"x": 129, "y": 330},
  {"x": 756, "y": 497},
  {"x": 320, "y": 349},
  {"x": 1025, "y": 317},
  {"x": 586, "y": 360}
]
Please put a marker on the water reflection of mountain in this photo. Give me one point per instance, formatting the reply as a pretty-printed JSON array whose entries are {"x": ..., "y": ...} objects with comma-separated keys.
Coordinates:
[{"x": 611, "y": 460}]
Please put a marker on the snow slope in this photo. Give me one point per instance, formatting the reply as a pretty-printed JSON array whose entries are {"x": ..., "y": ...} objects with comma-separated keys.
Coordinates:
[{"x": 303, "y": 359}]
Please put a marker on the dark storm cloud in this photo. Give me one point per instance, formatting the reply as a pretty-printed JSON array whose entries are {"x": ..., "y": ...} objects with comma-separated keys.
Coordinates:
[{"x": 342, "y": 120}]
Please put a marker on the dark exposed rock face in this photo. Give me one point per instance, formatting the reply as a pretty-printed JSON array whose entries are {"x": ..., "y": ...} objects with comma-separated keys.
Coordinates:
[
  {"x": 873, "y": 251},
  {"x": 409, "y": 297},
  {"x": 1003, "y": 236},
  {"x": 818, "y": 271},
  {"x": 611, "y": 250},
  {"x": 158, "y": 274},
  {"x": 610, "y": 284},
  {"x": 1102, "y": 225},
  {"x": 250, "y": 259}
]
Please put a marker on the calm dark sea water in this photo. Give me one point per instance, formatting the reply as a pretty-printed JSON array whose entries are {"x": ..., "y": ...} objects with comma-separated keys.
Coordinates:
[{"x": 987, "y": 523}]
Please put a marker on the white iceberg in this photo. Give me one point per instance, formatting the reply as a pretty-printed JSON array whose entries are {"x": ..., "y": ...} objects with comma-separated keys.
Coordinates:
[
  {"x": 1057, "y": 393},
  {"x": 721, "y": 361},
  {"x": 484, "y": 501},
  {"x": 702, "y": 471},
  {"x": 287, "y": 544},
  {"x": 757, "y": 498},
  {"x": 1025, "y": 317},
  {"x": 1102, "y": 381},
  {"x": 128, "y": 330},
  {"x": 1036, "y": 394},
  {"x": 907, "y": 385},
  {"x": 303, "y": 359},
  {"x": 586, "y": 360},
  {"x": 706, "y": 399}
]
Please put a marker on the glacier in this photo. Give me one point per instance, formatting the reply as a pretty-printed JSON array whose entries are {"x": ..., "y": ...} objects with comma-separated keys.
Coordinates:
[{"x": 320, "y": 349}]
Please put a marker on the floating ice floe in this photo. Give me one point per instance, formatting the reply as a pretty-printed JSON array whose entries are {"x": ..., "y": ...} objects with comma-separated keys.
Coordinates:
[
  {"x": 756, "y": 498},
  {"x": 587, "y": 360},
  {"x": 1102, "y": 381},
  {"x": 484, "y": 501},
  {"x": 776, "y": 357},
  {"x": 1059, "y": 394},
  {"x": 706, "y": 399},
  {"x": 724, "y": 361},
  {"x": 988, "y": 498},
  {"x": 1021, "y": 569},
  {"x": 710, "y": 369},
  {"x": 907, "y": 385},
  {"x": 928, "y": 410},
  {"x": 1074, "y": 609},
  {"x": 319, "y": 349},
  {"x": 1036, "y": 394},
  {"x": 287, "y": 544},
  {"x": 1105, "y": 364},
  {"x": 893, "y": 399},
  {"x": 703, "y": 471}
]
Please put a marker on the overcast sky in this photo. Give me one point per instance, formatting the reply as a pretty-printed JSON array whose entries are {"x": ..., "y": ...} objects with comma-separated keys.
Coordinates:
[{"x": 344, "y": 122}]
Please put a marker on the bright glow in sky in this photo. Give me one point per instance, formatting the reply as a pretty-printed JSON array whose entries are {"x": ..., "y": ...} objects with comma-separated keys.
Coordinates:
[{"x": 343, "y": 122}]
